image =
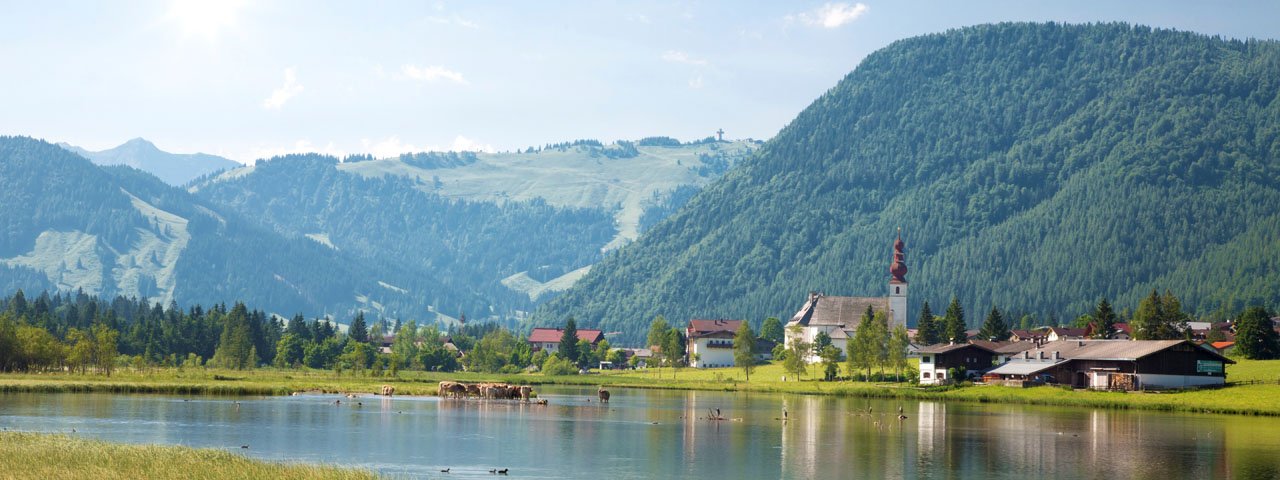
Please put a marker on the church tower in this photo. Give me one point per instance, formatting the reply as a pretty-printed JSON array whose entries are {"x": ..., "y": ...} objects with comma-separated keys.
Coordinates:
[{"x": 898, "y": 284}]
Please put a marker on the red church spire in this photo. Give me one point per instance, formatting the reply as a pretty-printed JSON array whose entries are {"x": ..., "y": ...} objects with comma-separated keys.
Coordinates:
[{"x": 899, "y": 266}]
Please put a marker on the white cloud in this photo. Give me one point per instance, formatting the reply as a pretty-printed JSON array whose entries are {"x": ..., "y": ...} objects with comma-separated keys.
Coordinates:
[
  {"x": 830, "y": 15},
  {"x": 454, "y": 20},
  {"x": 432, "y": 73},
  {"x": 279, "y": 96},
  {"x": 203, "y": 18},
  {"x": 695, "y": 82},
  {"x": 464, "y": 144},
  {"x": 676, "y": 56},
  {"x": 388, "y": 147}
]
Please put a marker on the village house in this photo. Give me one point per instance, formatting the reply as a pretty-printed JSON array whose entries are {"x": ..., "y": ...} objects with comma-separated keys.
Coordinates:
[
  {"x": 937, "y": 361},
  {"x": 1054, "y": 334},
  {"x": 548, "y": 339},
  {"x": 1117, "y": 365},
  {"x": 1032, "y": 335},
  {"x": 710, "y": 342},
  {"x": 838, "y": 317}
]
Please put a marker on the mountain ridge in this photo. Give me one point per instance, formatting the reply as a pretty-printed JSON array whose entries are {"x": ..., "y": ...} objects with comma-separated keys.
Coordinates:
[
  {"x": 176, "y": 169},
  {"x": 1047, "y": 153}
]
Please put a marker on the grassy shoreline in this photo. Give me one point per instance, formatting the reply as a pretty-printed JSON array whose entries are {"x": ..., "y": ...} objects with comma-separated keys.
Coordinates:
[
  {"x": 42, "y": 455},
  {"x": 1260, "y": 399}
]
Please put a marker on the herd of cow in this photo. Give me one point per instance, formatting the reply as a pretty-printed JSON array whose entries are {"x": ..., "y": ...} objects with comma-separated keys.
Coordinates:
[{"x": 495, "y": 391}]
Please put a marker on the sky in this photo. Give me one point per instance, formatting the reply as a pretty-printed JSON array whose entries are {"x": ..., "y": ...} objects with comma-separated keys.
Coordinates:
[{"x": 248, "y": 80}]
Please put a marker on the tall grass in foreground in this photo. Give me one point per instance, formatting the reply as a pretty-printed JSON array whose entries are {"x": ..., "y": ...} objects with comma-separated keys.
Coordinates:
[{"x": 34, "y": 455}]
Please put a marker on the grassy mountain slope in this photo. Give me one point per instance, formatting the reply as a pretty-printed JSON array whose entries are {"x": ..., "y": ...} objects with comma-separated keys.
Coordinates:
[
  {"x": 626, "y": 182},
  {"x": 1035, "y": 167},
  {"x": 121, "y": 231},
  {"x": 397, "y": 220},
  {"x": 173, "y": 168},
  {"x": 513, "y": 227}
]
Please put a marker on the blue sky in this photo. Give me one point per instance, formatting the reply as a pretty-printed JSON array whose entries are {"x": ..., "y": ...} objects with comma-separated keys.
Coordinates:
[{"x": 251, "y": 79}]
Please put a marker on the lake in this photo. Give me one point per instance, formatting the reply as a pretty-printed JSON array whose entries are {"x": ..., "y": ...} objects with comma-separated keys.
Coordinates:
[{"x": 664, "y": 434}]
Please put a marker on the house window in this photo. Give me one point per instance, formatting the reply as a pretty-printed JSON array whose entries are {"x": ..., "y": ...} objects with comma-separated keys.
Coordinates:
[
  {"x": 926, "y": 360},
  {"x": 942, "y": 376},
  {"x": 926, "y": 374},
  {"x": 897, "y": 290}
]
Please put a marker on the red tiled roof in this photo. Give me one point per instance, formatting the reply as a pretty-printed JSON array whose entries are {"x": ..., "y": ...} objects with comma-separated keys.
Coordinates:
[
  {"x": 552, "y": 335},
  {"x": 1222, "y": 345}
]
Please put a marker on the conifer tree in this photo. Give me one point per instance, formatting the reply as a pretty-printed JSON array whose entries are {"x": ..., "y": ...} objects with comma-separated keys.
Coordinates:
[
  {"x": 994, "y": 327},
  {"x": 298, "y": 327},
  {"x": 954, "y": 323},
  {"x": 569, "y": 341},
  {"x": 926, "y": 328},
  {"x": 359, "y": 331},
  {"x": 1104, "y": 320}
]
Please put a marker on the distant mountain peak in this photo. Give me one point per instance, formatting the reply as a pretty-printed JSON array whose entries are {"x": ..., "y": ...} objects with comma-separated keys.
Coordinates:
[
  {"x": 174, "y": 168},
  {"x": 139, "y": 142}
]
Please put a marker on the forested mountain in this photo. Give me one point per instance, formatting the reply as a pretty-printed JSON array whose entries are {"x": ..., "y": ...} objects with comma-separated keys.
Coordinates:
[
  {"x": 173, "y": 168},
  {"x": 1033, "y": 167},
  {"x": 513, "y": 227},
  {"x": 70, "y": 225},
  {"x": 398, "y": 221}
]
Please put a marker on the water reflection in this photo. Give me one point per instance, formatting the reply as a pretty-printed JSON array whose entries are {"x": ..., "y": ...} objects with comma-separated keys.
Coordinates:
[{"x": 652, "y": 434}]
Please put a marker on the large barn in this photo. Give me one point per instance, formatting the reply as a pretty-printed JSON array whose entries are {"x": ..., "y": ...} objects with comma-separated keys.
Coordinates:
[{"x": 1117, "y": 364}]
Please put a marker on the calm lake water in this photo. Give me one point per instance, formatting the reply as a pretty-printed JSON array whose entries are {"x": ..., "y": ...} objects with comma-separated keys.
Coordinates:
[{"x": 656, "y": 434}]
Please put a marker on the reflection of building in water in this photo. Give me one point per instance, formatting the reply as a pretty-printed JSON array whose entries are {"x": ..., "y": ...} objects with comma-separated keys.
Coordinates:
[
  {"x": 931, "y": 422},
  {"x": 800, "y": 437}
]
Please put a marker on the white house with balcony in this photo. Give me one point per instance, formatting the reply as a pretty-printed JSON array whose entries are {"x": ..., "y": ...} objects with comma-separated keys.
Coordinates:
[{"x": 710, "y": 342}]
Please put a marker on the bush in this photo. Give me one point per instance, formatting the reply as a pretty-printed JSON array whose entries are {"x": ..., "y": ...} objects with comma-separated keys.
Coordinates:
[{"x": 558, "y": 366}]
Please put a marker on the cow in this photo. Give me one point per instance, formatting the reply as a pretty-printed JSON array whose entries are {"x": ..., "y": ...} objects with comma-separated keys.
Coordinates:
[
  {"x": 604, "y": 394},
  {"x": 388, "y": 390}
]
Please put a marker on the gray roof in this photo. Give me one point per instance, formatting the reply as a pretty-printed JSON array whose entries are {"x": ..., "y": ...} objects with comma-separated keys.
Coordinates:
[
  {"x": 1024, "y": 367},
  {"x": 950, "y": 347},
  {"x": 845, "y": 312},
  {"x": 1006, "y": 346},
  {"x": 1108, "y": 349}
]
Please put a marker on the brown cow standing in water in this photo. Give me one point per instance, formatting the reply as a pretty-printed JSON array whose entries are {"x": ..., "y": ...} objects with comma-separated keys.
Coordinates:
[{"x": 604, "y": 394}]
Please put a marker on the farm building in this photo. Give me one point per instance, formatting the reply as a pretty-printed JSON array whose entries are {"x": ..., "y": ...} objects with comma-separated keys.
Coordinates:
[
  {"x": 1117, "y": 364},
  {"x": 548, "y": 339},
  {"x": 937, "y": 360}
]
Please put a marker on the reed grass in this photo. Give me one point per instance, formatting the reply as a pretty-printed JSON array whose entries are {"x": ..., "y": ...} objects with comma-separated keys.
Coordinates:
[{"x": 37, "y": 455}]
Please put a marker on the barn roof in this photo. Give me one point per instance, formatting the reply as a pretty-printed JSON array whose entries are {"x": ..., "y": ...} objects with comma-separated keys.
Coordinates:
[{"x": 552, "y": 335}]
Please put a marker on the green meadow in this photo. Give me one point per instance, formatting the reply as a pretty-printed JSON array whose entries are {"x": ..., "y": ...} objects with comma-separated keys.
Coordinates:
[{"x": 1262, "y": 398}]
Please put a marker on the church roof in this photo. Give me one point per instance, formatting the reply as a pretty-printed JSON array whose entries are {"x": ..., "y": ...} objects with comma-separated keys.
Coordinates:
[{"x": 828, "y": 310}]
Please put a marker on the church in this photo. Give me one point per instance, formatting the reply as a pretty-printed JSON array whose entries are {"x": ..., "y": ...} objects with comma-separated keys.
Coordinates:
[{"x": 839, "y": 316}]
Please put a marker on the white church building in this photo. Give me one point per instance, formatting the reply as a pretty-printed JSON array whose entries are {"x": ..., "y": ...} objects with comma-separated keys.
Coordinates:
[{"x": 839, "y": 317}]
